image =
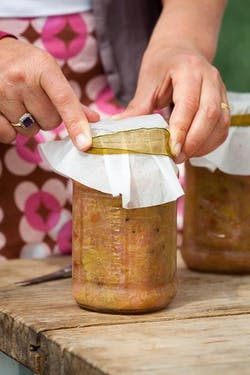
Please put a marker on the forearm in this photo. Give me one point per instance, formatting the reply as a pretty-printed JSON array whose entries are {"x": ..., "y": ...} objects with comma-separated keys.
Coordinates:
[{"x": 190, "y": 24}]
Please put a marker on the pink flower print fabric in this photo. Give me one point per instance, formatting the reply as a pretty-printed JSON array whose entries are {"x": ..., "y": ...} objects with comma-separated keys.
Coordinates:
[
  {"x": 35, "y": 204},
  {"x": 70, "y": 47}
]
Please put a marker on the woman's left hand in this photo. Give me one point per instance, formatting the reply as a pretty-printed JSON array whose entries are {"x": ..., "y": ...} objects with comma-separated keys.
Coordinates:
[{"x": 198, "y": 123}]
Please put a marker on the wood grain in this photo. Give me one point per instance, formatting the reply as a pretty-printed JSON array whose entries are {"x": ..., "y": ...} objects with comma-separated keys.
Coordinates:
[
  {"x": 20, "y": 269},
  {"x": 18, "y": 339},
  {"x": 28, "y": 312},
  {"x": 208, "y": 346}
]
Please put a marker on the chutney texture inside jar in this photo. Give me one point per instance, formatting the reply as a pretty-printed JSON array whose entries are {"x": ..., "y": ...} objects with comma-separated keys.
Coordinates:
[
  {"x": 216, "y": 234},
  {"x": 124, "y": 261}
]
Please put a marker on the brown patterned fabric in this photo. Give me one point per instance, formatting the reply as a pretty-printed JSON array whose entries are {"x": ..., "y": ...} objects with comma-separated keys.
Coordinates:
[{"x": 35, "y": 203}]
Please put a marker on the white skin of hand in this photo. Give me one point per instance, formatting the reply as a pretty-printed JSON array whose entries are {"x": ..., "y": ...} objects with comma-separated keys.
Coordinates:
[
  {"x": 197, "y": 124},
  {"x": 176, "y": 68},
  {"x": 32, "y": 81}
]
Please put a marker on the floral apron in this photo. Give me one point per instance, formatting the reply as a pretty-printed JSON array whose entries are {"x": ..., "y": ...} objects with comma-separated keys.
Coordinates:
[{"x": 35, "y": 203}]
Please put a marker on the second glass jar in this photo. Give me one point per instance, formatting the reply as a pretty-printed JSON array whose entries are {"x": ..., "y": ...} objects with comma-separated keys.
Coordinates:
[{"x": 216, "y": 234}]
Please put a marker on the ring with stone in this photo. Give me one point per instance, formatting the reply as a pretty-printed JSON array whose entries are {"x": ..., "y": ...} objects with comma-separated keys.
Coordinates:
[{"x": 26, "y": 121}]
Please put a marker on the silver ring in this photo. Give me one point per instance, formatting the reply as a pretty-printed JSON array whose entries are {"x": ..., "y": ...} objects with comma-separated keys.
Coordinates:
[{"x": 26, "y": 121}]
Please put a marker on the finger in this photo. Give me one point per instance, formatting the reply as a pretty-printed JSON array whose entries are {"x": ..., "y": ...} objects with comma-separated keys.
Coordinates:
[
  {"x": 217, "y": 137},
  {"x": 47, "y": 117},
  {"x": 91, "y": 115},
  {"x": 186, "y": 98},
  {"x": 145, "y": 97},
  {"x": 221, "y": 129},
  {"x": 226, "y": 111},
  {"x": 138, "y": 106},
  {"x": 206, "y": 118},
  {"x": 13, "y": 110},
  {"x": 7, "y": 132},
  {"x": 68, "y": 106},
  {"x": 41, "y": 107}
]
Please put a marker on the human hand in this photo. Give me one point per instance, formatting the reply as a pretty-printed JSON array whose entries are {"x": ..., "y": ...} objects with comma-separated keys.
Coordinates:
[
  {"x": 31, "y": 81},
  {"x": 183, "y": 75}
]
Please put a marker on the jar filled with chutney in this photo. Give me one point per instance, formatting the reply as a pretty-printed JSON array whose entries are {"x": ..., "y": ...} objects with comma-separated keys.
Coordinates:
[
  {"x": 124, "y": 260},
  {"x": 124, "y": 214},
  {"x": 216, "y": 233},
  {"x": 124, "y": 236}
]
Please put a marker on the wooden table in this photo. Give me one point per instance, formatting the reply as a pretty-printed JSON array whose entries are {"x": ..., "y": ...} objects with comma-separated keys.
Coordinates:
[{"x": 205, "y": 330}]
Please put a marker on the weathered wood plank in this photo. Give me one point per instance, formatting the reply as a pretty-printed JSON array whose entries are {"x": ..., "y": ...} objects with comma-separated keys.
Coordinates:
[
  {"x": 17, "y": 338},
  {"x": 27, "y": 311},
  {"x": 50, "y": 305},
  {"x": 20, "y": 269},
  {"x": 207, "y": 346},
  {"x": 16, "y": 341}
]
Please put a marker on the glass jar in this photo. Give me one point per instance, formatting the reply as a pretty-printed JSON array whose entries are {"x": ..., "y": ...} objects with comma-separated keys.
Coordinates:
[
  {"x": 124, "y": 261},
  {"x": 216, "y": 234}
]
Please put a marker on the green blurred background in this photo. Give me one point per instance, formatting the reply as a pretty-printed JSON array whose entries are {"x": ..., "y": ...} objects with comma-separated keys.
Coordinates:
[{"x": 233, "y": 53}]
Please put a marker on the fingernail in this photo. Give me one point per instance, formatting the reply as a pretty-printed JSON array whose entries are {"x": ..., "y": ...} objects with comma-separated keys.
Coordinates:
[
  {"x": 176, "y": 149},
  {"x": 180, "y": 159},
  {"x": 82, "y": 141}
]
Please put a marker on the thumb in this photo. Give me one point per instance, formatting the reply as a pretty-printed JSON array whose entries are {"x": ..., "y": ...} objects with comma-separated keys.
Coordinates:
[
  {"x": 91, "y": 115},
  {"x": 143, "y": 101},
  {"x": 136, "y": 107}
]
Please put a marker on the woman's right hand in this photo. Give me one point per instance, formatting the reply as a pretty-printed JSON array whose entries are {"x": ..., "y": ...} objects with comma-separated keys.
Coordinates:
[{"x": 32, "y": 81}]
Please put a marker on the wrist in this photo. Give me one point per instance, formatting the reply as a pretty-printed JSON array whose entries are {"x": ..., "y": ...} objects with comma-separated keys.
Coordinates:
[
  {"x": 175, "y": 41},
  {"x": 170, "y": 49}
]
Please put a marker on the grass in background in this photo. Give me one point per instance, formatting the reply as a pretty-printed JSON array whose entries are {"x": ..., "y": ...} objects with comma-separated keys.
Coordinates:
[{"x": 233, "y": 53}]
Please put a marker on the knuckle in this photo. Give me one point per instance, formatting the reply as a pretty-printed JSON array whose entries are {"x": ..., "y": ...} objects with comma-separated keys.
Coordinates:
[
  {"x": 191, "y": 103},
  {"x": 215, "y": 73},
  {"x": 45, "y": 62},
  {"x": 194, "y": 61},
  {"x": 7, "y": 136},
  {"x": 16, "y": 75},
  {"x": 180, "y": 127},
  {"x": 63, "y": 99},
  {"x": 45, "y": 58},
  {"x": 212, "y": 111}
]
